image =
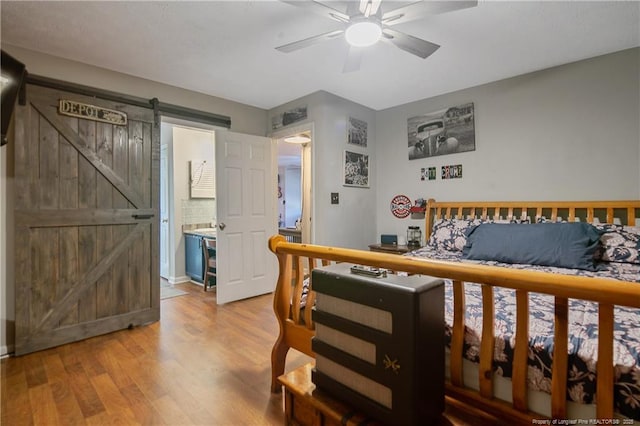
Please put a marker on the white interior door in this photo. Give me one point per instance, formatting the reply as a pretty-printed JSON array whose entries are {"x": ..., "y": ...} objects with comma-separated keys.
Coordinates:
[
  {"x": 164, "y": 212},
  {"x": 245, "y": 186}
]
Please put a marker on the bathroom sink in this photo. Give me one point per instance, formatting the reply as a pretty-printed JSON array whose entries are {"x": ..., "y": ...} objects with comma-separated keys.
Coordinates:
[{"x": 205, "y": 230}]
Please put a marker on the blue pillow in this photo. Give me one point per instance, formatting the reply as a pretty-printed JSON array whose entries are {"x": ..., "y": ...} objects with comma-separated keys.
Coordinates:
[{"x": 564, "y": 245}]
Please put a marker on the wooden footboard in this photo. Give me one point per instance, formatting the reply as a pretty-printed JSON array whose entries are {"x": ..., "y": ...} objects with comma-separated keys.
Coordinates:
[{"x": 296, "y": 326}]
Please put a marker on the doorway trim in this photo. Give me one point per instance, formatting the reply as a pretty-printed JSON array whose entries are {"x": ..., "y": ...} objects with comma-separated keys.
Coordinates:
[{"x": 308, "y": 159}]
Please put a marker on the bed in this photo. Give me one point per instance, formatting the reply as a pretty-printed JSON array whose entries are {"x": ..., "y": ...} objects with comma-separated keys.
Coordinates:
[{"x": 570, "y": 334}]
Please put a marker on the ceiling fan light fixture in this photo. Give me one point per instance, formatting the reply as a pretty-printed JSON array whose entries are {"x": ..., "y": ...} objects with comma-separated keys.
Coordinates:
[
  {"x": 300, "y": 139},
  {"x": 363, "y": 34}
]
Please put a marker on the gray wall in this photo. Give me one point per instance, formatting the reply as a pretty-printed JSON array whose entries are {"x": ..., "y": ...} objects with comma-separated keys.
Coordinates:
[
  {"x": 352, "y": 222},
  {"x": 566, "y": 133},
  {"x": 244, "y": 118}
]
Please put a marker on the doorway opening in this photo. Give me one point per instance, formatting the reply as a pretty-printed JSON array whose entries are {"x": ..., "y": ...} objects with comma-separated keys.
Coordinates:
[
  {"x": 187, "y": 198},
  {"x": 294, "y": 155},
  {"x": 231, "y": 210}
]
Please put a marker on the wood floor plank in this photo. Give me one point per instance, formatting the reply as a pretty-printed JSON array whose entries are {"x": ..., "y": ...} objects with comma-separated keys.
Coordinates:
[
  {"x": 35, "y": 371},
  {"x": 111, "y": 397},
  {"x": 144, "y": 412},
  {"x": 67, "y": 406},
  {"x": 87, "y": 397},
  {"x": 54, "y": 368},
  {"x": 43, "y": 405},
  {"x": 171, "y": 412},
  {"x": 16, "y": 405}
]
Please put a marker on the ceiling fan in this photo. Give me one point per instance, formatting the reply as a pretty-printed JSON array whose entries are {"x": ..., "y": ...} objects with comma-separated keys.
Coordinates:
[{"x": 365, "y": 24}]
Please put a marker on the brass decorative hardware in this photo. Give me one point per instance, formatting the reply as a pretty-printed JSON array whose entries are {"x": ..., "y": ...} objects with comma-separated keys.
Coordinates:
[{"x": 388, "y": 364}]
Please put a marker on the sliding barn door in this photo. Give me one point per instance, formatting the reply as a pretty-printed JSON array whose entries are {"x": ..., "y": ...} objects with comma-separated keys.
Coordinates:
[{"x": 86, "y": 248}]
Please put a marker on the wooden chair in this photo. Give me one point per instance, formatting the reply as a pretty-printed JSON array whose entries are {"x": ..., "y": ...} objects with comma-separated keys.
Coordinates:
[{"x": 208, "y": 246}]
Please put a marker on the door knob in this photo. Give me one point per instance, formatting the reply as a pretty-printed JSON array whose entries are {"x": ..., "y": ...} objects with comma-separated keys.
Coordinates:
[{"x": 221, "y": 225}]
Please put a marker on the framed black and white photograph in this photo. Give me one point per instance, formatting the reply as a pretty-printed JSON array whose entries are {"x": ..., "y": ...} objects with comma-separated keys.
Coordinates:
[
  {"x": 356, "y": 169},
  {"x": 357, "y": 132},
  {"x": 288, "y": 117},
  {"x": 448, "y": 131}
]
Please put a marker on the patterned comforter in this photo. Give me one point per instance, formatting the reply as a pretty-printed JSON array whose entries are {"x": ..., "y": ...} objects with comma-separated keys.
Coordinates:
[{"x": 583, "y": 320}]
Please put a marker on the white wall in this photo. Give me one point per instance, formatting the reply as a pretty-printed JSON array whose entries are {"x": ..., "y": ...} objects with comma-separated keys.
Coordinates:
[
  {"x": 350, "y": 223},
  {"x": 565, "y": 133}
]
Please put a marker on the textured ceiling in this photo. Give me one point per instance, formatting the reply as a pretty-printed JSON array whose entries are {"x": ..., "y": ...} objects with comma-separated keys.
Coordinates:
[{"x": 226, "y": 48}]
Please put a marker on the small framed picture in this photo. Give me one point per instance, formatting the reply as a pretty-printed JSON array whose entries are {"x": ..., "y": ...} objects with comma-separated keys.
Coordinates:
[
  {"x": 356, "y": 169},
  {"x": 356, "y": 132}
]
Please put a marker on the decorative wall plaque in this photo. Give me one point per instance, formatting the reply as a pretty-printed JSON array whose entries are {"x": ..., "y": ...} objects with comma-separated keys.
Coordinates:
[
  {"x": 452, "y": 172},
  {"x": 428, "y": 173},
  {"x": 91, "y": 112},
  {"x": 400, "y": 206}
]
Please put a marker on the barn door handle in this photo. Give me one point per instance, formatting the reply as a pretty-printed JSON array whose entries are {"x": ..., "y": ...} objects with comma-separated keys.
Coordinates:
[{"x": 142, "y": 216}]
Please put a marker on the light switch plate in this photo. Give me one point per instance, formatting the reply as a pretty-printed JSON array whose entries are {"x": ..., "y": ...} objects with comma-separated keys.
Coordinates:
[{"x": 335, "y": 198}]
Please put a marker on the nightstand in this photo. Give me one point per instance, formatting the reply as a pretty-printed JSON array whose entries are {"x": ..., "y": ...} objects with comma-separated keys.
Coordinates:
[{"x": 391, "y": 248}]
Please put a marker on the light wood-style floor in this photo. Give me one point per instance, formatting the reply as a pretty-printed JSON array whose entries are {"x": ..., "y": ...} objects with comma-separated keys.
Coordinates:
[{"x": 201, "y": 364}]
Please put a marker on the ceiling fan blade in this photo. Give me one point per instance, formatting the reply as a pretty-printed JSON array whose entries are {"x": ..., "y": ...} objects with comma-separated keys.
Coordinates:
[
  {"x": 354, "y": 58},
  {"x": 320, "y": 9},
  {"x": 290, "y": 47},
  {"x": 408, "y": 43},
  {"x": 421, "y": 9},
  {"x": 363, "y": 5},
  {"x": 368, "y": 7},
  {"x": 375, "y": 6}
]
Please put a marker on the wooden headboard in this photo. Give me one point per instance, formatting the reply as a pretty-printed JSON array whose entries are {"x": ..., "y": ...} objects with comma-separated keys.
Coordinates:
[{"x": 626, "y": 211}]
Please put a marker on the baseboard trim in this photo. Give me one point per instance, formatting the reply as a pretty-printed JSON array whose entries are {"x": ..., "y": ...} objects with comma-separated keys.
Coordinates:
[
  {"x": 179, "y": 280},
  {"x": 5, "y": 351}
]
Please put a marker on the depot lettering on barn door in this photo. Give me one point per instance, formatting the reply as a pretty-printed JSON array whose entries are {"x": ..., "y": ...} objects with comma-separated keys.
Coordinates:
[{"x": 91, "y": 112}]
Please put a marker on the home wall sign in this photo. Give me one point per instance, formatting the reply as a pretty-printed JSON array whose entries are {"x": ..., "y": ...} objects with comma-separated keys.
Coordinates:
[
  {"x": 452, "y": 172},
  {"x": 401, "y": 206},
  {"x": 91, "y": 112},
  {"x": 428, "y": 173}
]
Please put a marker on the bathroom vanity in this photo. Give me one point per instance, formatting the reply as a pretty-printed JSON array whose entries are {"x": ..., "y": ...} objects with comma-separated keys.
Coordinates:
[{"x": 194, "y": 260}]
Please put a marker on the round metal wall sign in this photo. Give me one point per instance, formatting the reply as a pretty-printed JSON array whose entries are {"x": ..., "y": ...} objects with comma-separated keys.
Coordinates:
[{"x": 400, "y": 206}]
